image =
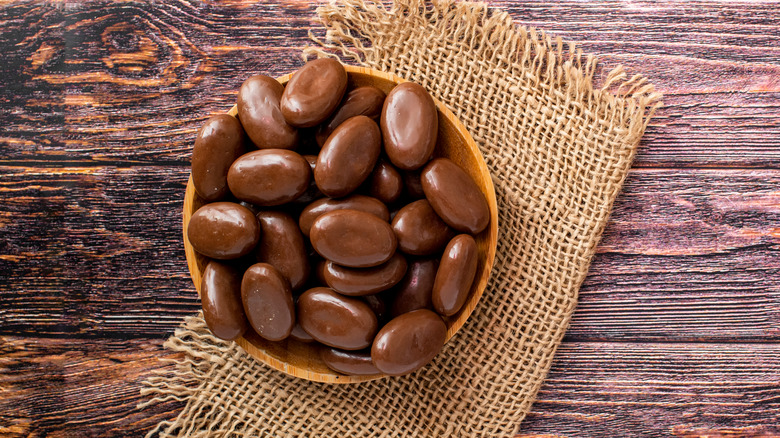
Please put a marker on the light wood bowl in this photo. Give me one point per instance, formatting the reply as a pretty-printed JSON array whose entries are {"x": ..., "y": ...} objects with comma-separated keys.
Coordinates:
[{"x": 454, "y": 142}]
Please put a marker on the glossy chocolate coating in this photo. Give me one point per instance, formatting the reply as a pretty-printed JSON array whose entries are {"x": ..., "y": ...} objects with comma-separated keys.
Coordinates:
[
  {"x": 220, "y": 295},
  {"x": 312, "y": 193},
  {"x": 268, "y": 302},
  {"x": 223, "y": 230},
  {"x": 259, "y": 112},
  {"x": 220, "y": 141},
  {"x": 365, "y": 281},
  {"x": 414, "y": 291},
  {"x": 336, "y": 320},
  {"x": 362, "y": 101},
  {"x": 378, "y": 306},
  {"x": 269, "y": 177},
  {"x": 313, "y": 92},
  {"x": 353, "y": 363},
  {"x": 385, "y": 183},
  {"x": 348, "y": 157},
  {"x": 353, "y": 238},
  {"x": 300, "y": 335},
  {"x": 354, "y": 202},
  {"x": 413, "y": 189},
  {"x": 283, "y": 247},
  {"x": 455, "y": 196},
  {"x": 455, "y": 275},
  {"x": 410, "y": 124},
  {"x": 420, "y": 231},
  {"x": 408, "y": 342}
]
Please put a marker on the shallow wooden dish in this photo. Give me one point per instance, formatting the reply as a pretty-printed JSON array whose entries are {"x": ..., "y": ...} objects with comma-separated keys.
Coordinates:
[{"x": 302, "y": 360}]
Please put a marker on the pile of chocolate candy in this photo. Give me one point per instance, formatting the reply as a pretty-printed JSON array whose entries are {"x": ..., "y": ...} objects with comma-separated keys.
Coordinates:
[{"x": 327, "y": 218}]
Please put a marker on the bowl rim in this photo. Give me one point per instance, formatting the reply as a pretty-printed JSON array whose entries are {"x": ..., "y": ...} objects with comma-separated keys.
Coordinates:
[{"x": 478, "y": 288}]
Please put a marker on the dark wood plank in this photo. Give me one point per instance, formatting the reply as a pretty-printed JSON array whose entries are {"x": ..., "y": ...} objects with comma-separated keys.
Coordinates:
[
  {"x": 685, "y": 390},
  {"x": 78, "y": 387},
  {"x": 130, "y": 82},
  {"x": 84, "y": 387},
  {"x": 97, "y": 252},
  {"x": 717, "y": 63}
]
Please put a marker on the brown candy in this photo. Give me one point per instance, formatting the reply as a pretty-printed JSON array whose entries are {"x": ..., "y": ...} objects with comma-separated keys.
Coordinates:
[
  {"x": 385, "y": 183},
  {"x": 414, "y": 291},
  {"x": 300, "y": 335},
  {"x": 258, "y": 109},
  {"x": 353, "y": 238},
  {"x": 362, "y": 101},
  {"x": 413, "y": 185},
  {"x": 354, "y": 202},
  {"x": 408, "y": 342},
  {"x": 354, "y": 363},
  {"x": 365, "y": 281},
  {"x": 410, "y": 125},
  {"x": 348, "y": 157},
  {"x": 283, "y": 247},
  {"x": 455, "y": 196},
  {"x": 313, "y": 92},
  {"x": 420, "y": 231},
  {"x": 268, "y": 302},
  {"x": 269, "y": 177},
  {"x": 312, "y": 193},
  {"x": 223, "y": 230},
  {"x": 336, "y": 320},
  {"x": 377, "y": 305},
  {"x": 455, "y": 275},
  {"x": 220, "y": 295},
  {"x": 220, "y": 141}
]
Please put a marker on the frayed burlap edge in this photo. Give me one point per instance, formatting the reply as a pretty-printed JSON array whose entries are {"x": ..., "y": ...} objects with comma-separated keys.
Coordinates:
[{"x": 559, "y": 149}]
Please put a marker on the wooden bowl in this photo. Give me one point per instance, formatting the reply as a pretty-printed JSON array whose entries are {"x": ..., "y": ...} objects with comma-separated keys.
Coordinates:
[{"x": 454, "y": 142}]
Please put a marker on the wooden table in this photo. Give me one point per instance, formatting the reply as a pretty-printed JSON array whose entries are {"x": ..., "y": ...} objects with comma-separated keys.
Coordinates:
[{"x": 678, "y": 327}]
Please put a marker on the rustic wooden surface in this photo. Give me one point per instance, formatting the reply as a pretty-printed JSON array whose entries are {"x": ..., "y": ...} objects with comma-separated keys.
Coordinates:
[{"x": 678, "y": 328}]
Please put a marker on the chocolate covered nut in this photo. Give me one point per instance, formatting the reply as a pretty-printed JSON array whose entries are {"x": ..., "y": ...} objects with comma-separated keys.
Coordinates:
[
  {"x": 312, "y": 193},
  {"x": 300, "y": 335},
  {"x": 378, "y": 306},
  {"x": 283, "y": 247},
  {"x": 420, "y": 231},
  {"x": 414, "y": 290},
  {"x": 313, "y": 92},
  {"x": 455, "y": 275},
  {"x": 413, "y": 185},
  {"x": 336, "y": 320},
  {"x": 365, "y": 281},
  {"x": 269, "y": 177},
  {"x": 354, "y": 202},
  {"x": 348, "y": 157},
  {"x": 258, "y": 109},
  {"x": 455, "y": 196},
  {"x": 354, "y": 363},
  {"x": 410, "y": 124},
  {"x": 408, "y": 342},
  {"x": 268, "y": 302},
  {"x": 385, "y": 183},
  {"x": 223, "y": 230},
  {"x": 353, "y": 238},
  {"x": 362, "y": 101},
  {"x": 220, "y": 141},
  {"x": 220, "y": 295}
]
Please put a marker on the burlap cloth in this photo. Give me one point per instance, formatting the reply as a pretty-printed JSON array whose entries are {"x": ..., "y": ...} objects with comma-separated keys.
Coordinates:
[{"x": 559, "y": 150}]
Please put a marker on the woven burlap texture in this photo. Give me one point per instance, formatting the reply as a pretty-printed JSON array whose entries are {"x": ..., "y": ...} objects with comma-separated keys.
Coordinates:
[{"x": 558, "y": 149}]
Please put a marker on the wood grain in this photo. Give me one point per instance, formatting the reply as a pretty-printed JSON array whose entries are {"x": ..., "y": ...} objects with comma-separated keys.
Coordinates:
[
  {"x": 76, "y": 387},
  {"x": 678, "y": 326},
  {"x": 130, "y": 82},
  {"x": 97, "y": 251}
]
